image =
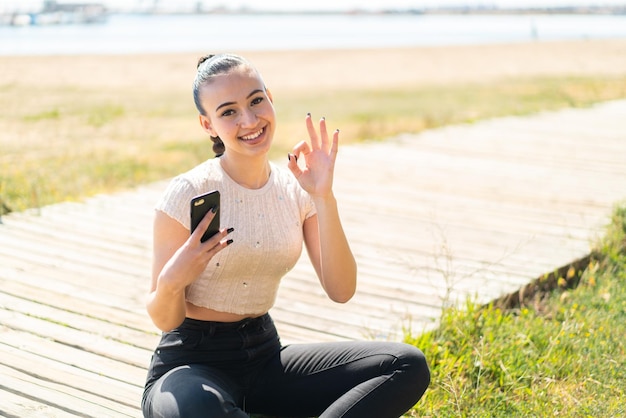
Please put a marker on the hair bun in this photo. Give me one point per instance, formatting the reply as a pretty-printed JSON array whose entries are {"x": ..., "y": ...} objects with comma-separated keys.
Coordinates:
[
  {"x": 204, "y": 58},
  {"x": 218, "y": 146}
]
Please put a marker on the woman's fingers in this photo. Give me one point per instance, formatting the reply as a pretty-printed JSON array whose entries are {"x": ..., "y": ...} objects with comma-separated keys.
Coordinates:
[
  {"x": 197, "y": 234},
  {"x": 321, "y": 141},
  {"x": 315, "y": 139},
  {"x": 302, "y": 148},
  {"x": 324, "y": 134},
  {"x": 217, "y": 242},
  {"x": 335, "y": 145}
]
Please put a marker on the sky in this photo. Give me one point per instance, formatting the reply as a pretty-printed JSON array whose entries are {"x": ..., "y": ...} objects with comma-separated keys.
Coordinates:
[
  {"x": 372, "y": 4},
  {"x": 334, "y": 5}
]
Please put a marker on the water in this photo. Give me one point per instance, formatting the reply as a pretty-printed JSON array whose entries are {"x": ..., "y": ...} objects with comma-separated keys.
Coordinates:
[{"x": 127, "y": 34}]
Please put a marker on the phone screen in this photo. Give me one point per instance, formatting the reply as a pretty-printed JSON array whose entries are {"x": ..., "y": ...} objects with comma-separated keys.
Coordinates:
[{"x": 200, "y": 206}]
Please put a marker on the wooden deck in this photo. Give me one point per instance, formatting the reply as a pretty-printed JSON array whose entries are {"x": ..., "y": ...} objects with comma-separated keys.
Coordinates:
[{"x": 462, "y": 211}]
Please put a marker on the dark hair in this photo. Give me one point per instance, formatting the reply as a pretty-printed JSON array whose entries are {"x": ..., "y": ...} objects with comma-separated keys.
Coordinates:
[{"x": 208, "y": 67}]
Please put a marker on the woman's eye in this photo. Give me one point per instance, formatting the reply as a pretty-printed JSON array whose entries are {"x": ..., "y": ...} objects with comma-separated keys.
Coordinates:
[
  {"x": 257, "y": 100},
  {"x": 228, "y": 112}
]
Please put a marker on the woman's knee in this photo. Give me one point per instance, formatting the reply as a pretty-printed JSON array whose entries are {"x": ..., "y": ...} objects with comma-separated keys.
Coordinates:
[
  {"x": 183, "y": 393},
  {"x": 412, "y": 364}
]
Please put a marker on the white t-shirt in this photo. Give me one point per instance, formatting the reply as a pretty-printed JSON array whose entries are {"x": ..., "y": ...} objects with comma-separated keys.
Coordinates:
[{"x": 243, "y": 278}]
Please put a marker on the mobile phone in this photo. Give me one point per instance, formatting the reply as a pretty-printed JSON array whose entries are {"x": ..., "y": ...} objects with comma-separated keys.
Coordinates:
[{"x": 200, "y": 206}]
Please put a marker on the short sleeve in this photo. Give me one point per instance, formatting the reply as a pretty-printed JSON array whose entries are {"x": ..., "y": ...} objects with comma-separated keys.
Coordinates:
[
  {"x": 176, "y": 199},
  {"x": 307, "y": 205}
]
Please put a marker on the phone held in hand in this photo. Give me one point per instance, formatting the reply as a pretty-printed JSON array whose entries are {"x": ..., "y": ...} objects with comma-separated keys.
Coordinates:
[{"x": 200, "y": 206}]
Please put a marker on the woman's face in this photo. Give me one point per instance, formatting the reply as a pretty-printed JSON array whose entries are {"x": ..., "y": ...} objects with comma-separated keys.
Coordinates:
[{"x": 240, "y": 111}]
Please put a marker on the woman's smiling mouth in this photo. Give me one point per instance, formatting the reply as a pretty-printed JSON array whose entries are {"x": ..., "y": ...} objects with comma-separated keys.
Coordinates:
[{"x": 253, "y": 136}]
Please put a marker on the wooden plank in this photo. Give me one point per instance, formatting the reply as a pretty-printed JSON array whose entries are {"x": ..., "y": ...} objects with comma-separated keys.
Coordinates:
[
  {"x": 57, "y": 280},
  {"x": 88, "y": 327},
  {"x": 20, "y": 352},
  {"x": 70, "y": 252},
  {"x": 53, "y": 297},
  {"x": 60, "y": 400},
  {"x": 90, "y": 351},
  {"x": 15, "y": 404}
]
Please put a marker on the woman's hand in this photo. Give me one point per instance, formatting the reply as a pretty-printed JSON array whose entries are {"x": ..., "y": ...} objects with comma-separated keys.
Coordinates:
[
  {"x": 319, "y": 160},
  {"x": 324, "y": 237},
  {"x": 179, "y": 258},
  {"x": 191, "y": 259}
]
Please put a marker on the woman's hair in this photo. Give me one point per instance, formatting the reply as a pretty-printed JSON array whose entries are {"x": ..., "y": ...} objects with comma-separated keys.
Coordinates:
[{"x": 208, "y": 67}]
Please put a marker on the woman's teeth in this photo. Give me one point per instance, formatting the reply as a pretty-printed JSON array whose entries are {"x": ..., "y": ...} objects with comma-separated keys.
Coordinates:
[{"x": 252, "y": 136}]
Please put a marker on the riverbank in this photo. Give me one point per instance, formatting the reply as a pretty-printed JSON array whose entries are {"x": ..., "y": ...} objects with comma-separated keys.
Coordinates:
[{"x": 313, "y": 70}]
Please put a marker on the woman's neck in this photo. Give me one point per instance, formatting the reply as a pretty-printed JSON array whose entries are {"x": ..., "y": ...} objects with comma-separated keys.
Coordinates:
[{"x": 251, "y": 173}]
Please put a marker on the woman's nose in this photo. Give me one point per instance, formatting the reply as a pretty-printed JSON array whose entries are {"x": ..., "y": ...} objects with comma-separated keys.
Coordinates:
[{"x": 248, "y": 118}]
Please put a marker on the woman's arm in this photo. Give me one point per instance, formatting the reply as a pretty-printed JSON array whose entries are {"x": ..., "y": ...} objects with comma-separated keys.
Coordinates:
[
  {"x": 324, "y": 236},
  {"x": 178, "y": 259},
  {"x": 330, "y": 252}
]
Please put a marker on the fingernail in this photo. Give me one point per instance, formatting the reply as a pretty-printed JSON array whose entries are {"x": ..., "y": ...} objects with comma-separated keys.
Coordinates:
[
  {"x": 337, "y": 130},
  {"x": 230, "y": 241},
  {"x": 229, "y": 230},
  {"x": 289, "y": 157},
  {"x": 308, "y": 114},
  {"x": 214, "y": 209},
  {"x": 323, "y": 117}
]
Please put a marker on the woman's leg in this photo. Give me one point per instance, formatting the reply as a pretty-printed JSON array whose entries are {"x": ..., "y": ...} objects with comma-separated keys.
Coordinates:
[
  {"x": 346, "y": 379},
  {"x": 192, "y": 391},
  {"x": 203, "y": 368}
]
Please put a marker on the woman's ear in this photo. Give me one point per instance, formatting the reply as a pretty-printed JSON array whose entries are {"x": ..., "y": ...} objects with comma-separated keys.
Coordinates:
[
  {"x": 206, "y": 125},
  {"x": 269, "y": 94}
]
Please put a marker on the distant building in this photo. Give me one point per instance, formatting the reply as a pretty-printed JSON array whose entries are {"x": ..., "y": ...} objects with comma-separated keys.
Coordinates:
[
  {"x": 83, "y": 12},
  {"x": 54, "y": 13}
]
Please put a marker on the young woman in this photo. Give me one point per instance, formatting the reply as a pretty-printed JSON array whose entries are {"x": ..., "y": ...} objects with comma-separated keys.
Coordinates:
[{"x": 220, "y": 355}]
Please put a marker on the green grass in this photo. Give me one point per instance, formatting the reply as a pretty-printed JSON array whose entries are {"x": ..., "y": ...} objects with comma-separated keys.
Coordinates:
[
  {"x": 68, "y": 143},
  {"x": 562, "y": 354},
  {"x": 379, "y": 114}
]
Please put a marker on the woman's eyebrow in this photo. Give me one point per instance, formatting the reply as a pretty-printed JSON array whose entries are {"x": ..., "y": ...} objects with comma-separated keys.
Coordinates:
[{"x": 232, "y": 103}]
